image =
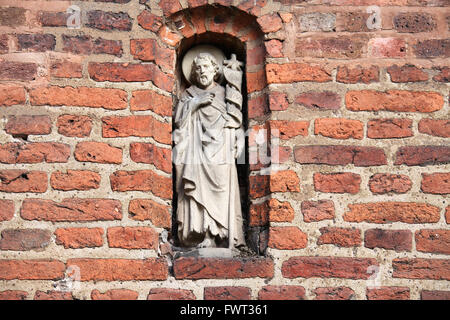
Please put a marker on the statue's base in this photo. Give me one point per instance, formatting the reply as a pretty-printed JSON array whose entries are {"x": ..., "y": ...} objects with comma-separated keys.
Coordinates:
[{"x": 207, "y": 253}]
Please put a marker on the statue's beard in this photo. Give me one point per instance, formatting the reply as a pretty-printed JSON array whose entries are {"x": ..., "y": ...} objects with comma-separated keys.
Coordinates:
[{"x": 204, "y": 81}]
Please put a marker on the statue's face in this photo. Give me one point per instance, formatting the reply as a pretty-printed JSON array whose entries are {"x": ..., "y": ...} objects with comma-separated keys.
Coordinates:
[{"x": 204, "y": 73}]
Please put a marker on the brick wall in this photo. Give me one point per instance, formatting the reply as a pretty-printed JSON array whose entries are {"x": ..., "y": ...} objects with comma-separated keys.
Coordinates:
[{"x": 358, "y": 209}]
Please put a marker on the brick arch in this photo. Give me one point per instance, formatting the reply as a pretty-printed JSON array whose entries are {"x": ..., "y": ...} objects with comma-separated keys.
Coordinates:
[{"x": 207, "y": 23}]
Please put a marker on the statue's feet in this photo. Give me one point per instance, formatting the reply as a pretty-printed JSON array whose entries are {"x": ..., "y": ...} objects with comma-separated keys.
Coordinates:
[{"x": 207, "y": 243}]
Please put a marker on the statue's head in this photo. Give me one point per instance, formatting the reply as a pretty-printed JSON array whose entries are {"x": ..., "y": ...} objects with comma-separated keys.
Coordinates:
[{"x": 204, "y": 70}]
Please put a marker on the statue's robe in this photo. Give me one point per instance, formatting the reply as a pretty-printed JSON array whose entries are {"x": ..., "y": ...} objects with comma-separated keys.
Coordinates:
[{"x": 206, "y": 174}]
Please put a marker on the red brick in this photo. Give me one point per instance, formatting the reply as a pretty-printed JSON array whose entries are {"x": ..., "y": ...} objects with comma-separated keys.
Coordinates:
[
  {"x": 170, "y": 294},
  {"x": 358, "y": 74},
  {"x": 284, "y": 181},
  {"x": 53, "y": 295},
  {"x": 256, "y": 81},
  {"x": 343, "y": 182},
  {"x": 414, "y": 22},
  {"x": 13, "y": 295},
  {"x": 25, "y": 125},
  {"x": 11, "y": 95},
  {"x": 343, "y": 47},
  {"x": 287, "y": 238},
  {"x": 280, "y": 211},
  {"x": 18, "y": 71},
  {"x": 341, "y": 237},
  {"x": 102, "y": 20},
  {"x": 394, "y": 100},
  {"x": 422, "y": 155},
  {"x": 142, "y": 180},
  {"x": 387, "y": 48},
  {"x": 217, "y": 268},
  {"x": 112, "y": 99},
  {"x": 274, "y": 48},
  {"x": 24, "y": 239},
  {"x": 75, "y": 180},
  {"x": 172, "y": 38},
  {"x": 389, "y": 128},
  {"x": 12, "y": 16},
  {"x": 15, "y": 180},
  {"x": 288, "y": 129},
  {"x": 281, "y": 293},
  {"x": 6, "y": 210},
  {"x": 99, "y": 152},
  {"x": 434, "y": 295},
  {"x": 66, "y": 69},
  {"x": 381, "y": 183},
  {"x": 432, "y": 48},
  {"x": 137, "y": 126},
  {"x": 114, "y": 294},
  {"x": 334, "y": 293},
  {"x": 398, "y": 240},
  {"x": 146, "y": 209},
  {"x": 447, "y": 215},
  {"x": 77, "y": 238},
  {"x": 437, "y": 128},
  {"x": 443, "y": 76},
  {"x": 317, "y": 210},
  {"x": 73, "y": 209},
  {"x": 388, "y": 212},
  {"x": 36, "y": 42},
  {"x": 132, "y": 238},
  {"x": 149, "y": 21},
  {"x": 150, "y": 50},
  {"x": 406, "y": 73},
  {"x": 31, "y": 269},
  {"x": 227, "y": 293},
  {"x": 325, "y": 100},
  {"x": 436, "y": 183},
  {"x": 270, "y": 23},
  {"x": 355, "y": 21},
  {"x": 278, "y": 101},
  {"x": 86, "y": 45},
  {"x": 327, "y": 267},
  {"x": 4, "y": 47},
  {"x": 143, "y": 100},
  {"x": 149, "y": 153},
  {"x": 388, "y": 293},
  {"x": 256, "y": 56},
  {"x": 340, "y": 155},
  {"x": 257, "y": 106},
  {"x": 433, "y": 240},
  {"x": 339, "y": 128},
  {"x": 259, "y": 214},
  {"x": 53, "y": 19},
  {"x": 295, "y": 72},
  {"x": 34, "y": 152},
  {"x": 169, "y": 6},
  {"x": 419, "y": 268},
  {"x": 121, "y": 269},
  {"x": 74, "y": 125}
]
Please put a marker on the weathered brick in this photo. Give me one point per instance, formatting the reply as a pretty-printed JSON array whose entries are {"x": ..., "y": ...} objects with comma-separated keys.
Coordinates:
[
  {"x": 12, "y": 16},
  {"x": 53, "y": 295},
  {"x": 217, "y": 268},
  {"x": 274, "y": 48},
  {"x": 389, "y": 128},
  {"x": 142, "y": 180},
  {"x": 36, "y": 42},
  {"x": 342, "y": 182},
  {"x": 75, "y": 180},
  {"x": 419, "y": 268},
  {"x": 109, "y": 21},
  {"x": 288, "y": 129},
  {"x": 15, "y": 180},
  {"x": 334, "y": 293},
  {"x": 13, "y": 295},
  {"x": 432, "y": 48},
  {"x": 149, "y": 21},
  {"x": 433, "y": 240},
  {"x": 407, "y": 73},
  {"x": 72, "y": 209},
  {"x": 422, "y": 155},
  {"x": 146, "y": 209},
  {"x": 31, "y": 269},
  {"x": 99, "y": 152},
  {"x": 227, "y": 293},
  {"x": 284, "y": 181},
  {"x": 132, "y": 238},
  {"x": 66, "y": 69},
  {"x": 414, "y": 22},
  {"x": 388, "y": 212},
  {"x": 327, "y": 267},
  {"x": 387, "y": 48},
  {"x": 340, "y": 155},
  {"x": 112, "y": 99},
  {"x": 287, "y": 238},
  {"x": 24, "y": 239},
  {"x": 270, "y": 23},
  {"x": 434, "y": 295},
  {"x": 34, "y": 152},
  {"x": 121, "y": 269},
  {"x": 6, "y": 210},
  {"x": 295, "y": 72},
  {"x": 170, "y": 294},
  {"x": 74, "y": 125},
  {"x": 280, "y": 211},
  {"x": 330, "y": 47},
  {"x": 354, "y": 21},
  {"x": 339, "y": 128},
  {"x": 394, "y": 100},
  {"x": 256, "y": 81},
  {"x": 325, "y": 100},
  {"x": 317, "y": 21},
  {"x": 86, "y": 45},
  {"x": 25, "y": 125},
  {"x": 114, "y": 294},
  {"x": 398, "y": 240},
  {"x": 388, "y": 293},
  {"x": 11, "y": 95},
  {"x": 447, "y": 215},
  {"x": 53, "y": 19},
  {"x": 288, "y": 292},
  {"x": 278, "y": 101},
  {"x": 342, "y": 237},
  {"x": 317, "y": 210},
  {"x": 437, "y": 128},
  {"x": 77, "y": 238},
  {"x": 18, "y": 71},
  {"x": 143, "y": 100},
  {"x": 444, "y": 75},
  {"x": 381, "y": 183},
  {"x": 436, "y": 183},
  {"x": 257, "y": 106},
  {"x": 4, "y": 46},
  {"x": 256, "y": 56},
  {"x": 137, "y": 126},
  {"x": 149, "y": 153},
  {"x": 358, "y": 74},
  {"x": 150, "y": 50}
]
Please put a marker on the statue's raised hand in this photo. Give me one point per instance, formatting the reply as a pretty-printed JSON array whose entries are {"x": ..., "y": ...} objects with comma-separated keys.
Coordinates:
[{"x": 203, "y": 100}]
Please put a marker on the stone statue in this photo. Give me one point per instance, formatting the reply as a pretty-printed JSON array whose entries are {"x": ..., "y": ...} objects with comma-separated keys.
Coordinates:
[{"x": 208, "y": 138}]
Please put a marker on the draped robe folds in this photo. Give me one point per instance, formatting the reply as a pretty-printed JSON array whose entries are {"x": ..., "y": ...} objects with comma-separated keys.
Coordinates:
[{"x": 206, "y": 175}]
